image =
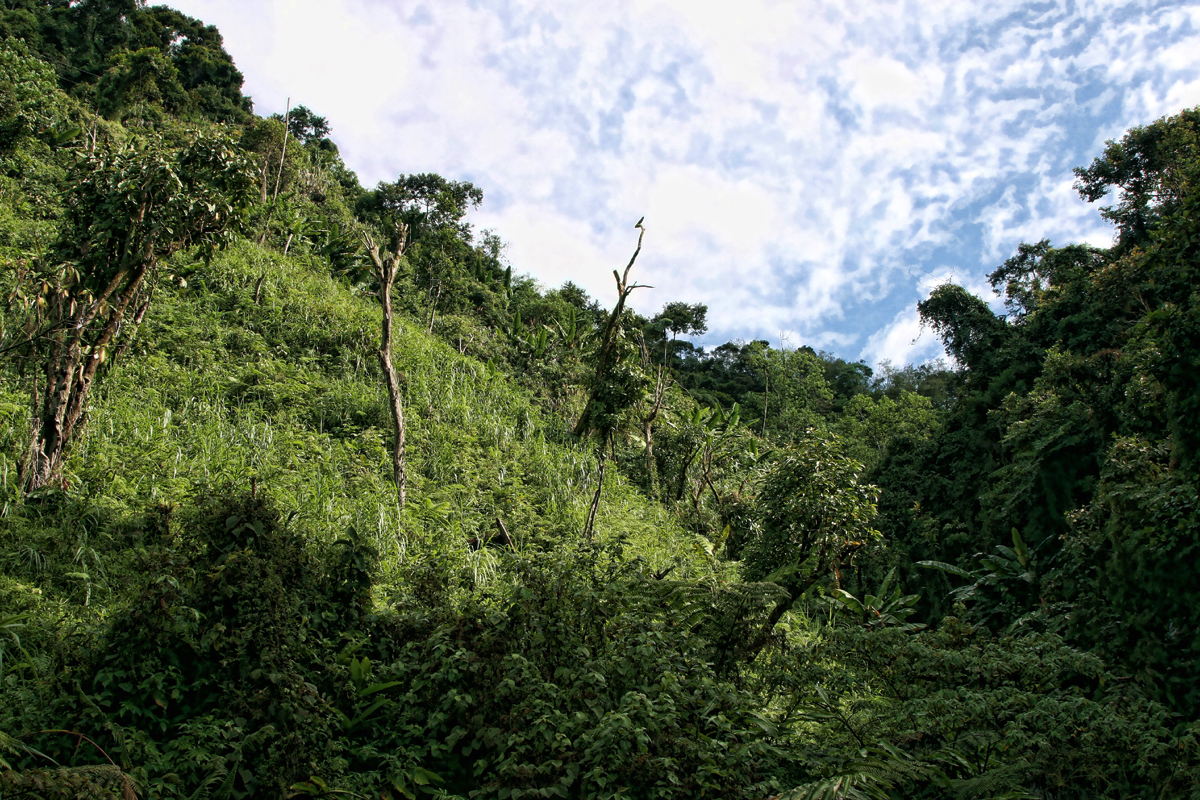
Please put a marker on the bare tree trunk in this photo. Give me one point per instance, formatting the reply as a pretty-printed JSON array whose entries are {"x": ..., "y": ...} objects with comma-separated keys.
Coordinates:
[
  {"x": 651, "y": 463},
  {"x": 661, "y": 382},
  {"x": 95, "y": 133},
  {"x": 504, "y": 533},
  {"x": 287, "y": 118},
  {"x": 138, "y": 316},
  {"x": 433, "y": 308},
  {"x": 683, "y": 471},
  {"x": 590, "y": 526},
  {"x": 766, "y": 400},
  {"x": 385, "y": 271},
  {"x": 278, "y": 175},
  {"x": 393, "y": 386}
]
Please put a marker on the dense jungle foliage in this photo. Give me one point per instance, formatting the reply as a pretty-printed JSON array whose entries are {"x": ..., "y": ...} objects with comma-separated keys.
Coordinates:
[{"x": 262, "y": 536}]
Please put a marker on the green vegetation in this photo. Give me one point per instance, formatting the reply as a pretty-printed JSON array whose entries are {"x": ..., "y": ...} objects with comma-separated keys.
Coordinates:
[{"x": 529, "y": 547}]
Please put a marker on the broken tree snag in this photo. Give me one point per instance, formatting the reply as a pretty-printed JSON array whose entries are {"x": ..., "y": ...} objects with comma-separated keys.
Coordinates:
[
  {"x": 386, "y": 266},
  {"x": 504, "y": 532},
  {"x": 608, "y": 340},
  {"x": 489, "y": 539}
]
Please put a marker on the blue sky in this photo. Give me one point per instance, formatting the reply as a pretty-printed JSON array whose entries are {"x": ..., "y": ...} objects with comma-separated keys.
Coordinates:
[{"x": 809, "y": 170}]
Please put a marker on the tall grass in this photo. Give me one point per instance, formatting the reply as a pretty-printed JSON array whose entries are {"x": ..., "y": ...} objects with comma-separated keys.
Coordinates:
[{"x": 258, "y": 371}]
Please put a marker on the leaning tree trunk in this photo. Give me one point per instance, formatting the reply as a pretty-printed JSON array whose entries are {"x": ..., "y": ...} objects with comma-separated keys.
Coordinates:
[
  {"x": 128, "y": 210},
  {"x": 71, "y": 366},
  {"x": 589, "y": 526},
  {"x": 393, "y": 387}
]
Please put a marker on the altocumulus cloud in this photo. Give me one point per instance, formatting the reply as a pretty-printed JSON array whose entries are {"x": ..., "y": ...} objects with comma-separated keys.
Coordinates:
[{"x": 809, "y": 170}]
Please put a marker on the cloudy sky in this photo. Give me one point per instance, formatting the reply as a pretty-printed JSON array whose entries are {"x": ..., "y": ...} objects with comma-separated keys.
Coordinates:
[{"x": 808, "y": 169}]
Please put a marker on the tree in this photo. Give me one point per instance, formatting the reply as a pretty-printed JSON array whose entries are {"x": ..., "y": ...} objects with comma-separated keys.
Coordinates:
[
  {"x": 607, "y": 398},
  {"x": 205, "y": 69},
  {"x": 815, "y": 514},
  {"x": 139, "y": 78},
  {"x": 386, "y": 264},
  {"x": 796, "y": 396},
  {"x": 617, "y": 382},
  {"x": 727, "y": 375},
  {"x": 969, "y": 330},
  {"x": 266, "y": 139},
  {"x": 88, "y": 39},
  {"x": 29, "y": 98},
  {"x": 304, "y": 125},
  {"x": 128, "y": 211},
  {"x": 677, "y": 319},
  {"x": 871, "y": 425},
  {"x": 1132, "y": 551},
  {"x": 846, "y": 380},
  {"x": 1098, "y": 347},
  {"x": 440, "y": 251},
  {"x": 424, "y": 202},
  {"x": 1153, "y": 167},
  {"x": 684, "y": 318}
]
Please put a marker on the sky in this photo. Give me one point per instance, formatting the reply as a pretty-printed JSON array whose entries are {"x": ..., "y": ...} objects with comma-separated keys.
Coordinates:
[{"x": 809, "y": 170}]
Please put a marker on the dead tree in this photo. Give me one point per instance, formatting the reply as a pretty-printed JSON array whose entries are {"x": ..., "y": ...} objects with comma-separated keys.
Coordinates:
[
  {"x": 386, "y": 266},
  {"x": 278, "y": 176},
  {"x": 606, "y": 362},
  {"x": 608, "y": 340}
]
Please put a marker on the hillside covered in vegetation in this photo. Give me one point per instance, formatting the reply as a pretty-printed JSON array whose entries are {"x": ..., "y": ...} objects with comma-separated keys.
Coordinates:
[{"x": 306, "y": 492}]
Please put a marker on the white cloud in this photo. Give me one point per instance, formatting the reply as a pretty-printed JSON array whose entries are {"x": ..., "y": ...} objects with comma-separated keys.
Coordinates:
[
  {"x": 902, "y": 341},
  {"x": 797, "y": 162},
  {"x": 885, "y": 81}
]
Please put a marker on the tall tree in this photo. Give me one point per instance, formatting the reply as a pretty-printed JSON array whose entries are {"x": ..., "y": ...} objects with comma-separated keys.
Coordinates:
[
  {"x": 304, "y": 125},
  {"x": 424, "y": 202},
  {"x": 614, "y": 386},
  {"x": 599, "y": 400},
  {"x": 1152, "y": 168},
  {"x": 387, "y": 263}
]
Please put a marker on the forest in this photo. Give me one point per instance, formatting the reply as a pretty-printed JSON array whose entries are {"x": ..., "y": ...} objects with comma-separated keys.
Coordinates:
[{"x": 305, "y": 491}]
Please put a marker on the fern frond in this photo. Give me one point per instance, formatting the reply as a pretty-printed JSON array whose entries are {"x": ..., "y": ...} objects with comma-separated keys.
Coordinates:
[
  {"x": 848, "y": 786},
  {"x": 1002, "y": 783},
  {"x": 101, "y": 782},
  {"x": 870, "y": 777},
  {"x": 216, "y": 772}
]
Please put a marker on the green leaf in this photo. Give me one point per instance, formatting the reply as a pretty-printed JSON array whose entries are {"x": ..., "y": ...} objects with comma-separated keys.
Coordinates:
[
  {"x": 424, "y": 777},
  {"x": 1019, "y": 546},
  {"x": 944, "y": 567},
  {"x": 378, "y": 687}
]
